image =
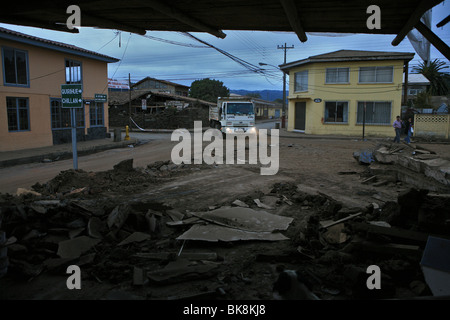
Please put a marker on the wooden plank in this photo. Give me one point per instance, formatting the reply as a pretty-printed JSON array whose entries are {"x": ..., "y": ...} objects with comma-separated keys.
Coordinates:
[
  {"x": 409, "y": 235},
  {"x": 294, "y": 20},
  {"x": 341, "y": 220}
]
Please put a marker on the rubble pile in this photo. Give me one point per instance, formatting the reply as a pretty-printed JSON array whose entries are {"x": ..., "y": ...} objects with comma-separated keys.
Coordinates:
[
  {"x": 233, "y": 250},
  {"x": 412, "y": 164}
]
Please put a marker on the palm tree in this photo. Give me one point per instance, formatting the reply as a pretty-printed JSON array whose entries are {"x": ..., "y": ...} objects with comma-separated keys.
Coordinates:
[{"x": 432, "y": 71}]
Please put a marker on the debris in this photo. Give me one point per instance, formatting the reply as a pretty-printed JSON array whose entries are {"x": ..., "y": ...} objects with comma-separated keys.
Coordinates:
[
  {"x": 380, "y": 224},
  {"x": 289, "y": 202},
  {"x": 330, "y": 224},
  {"x": 117, "y": 217},
  {"x": 175, "y": 215},
  {"x": 393, "y": 232},
  {"x": 182, "y": 270},
  {"x": 291, "y": 285},
  {"x": 391, "y": 249},
  {"x": 96, "y": 227},
  {"x": 370, "y": 179},
  {"x": 246, "y": 219},
  {"x": 364, "y": 156},
  {"x": 139, "y": 277},
  {"x": 262, "y": 205},
  {"x": 79, "y": 190},
  {"x": 435, "y": 265},
  {"x": 75, "y": 232},
  {"x": 335, "y": 234},
  {"x": 125, "y": 165},
  {"x": 22, "y": 191},
  {"x": 216, "y": 233},
  {"x": 240, "y": 203},
  {"x": 74, "y": 248},
  {"x": 135, "y": 237}
]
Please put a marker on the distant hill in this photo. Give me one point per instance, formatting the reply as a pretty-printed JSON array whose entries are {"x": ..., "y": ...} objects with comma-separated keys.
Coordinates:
[{"x": 269, "y": 95}]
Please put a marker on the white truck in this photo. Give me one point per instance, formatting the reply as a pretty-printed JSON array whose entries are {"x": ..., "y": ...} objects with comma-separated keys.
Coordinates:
[{"x": 233, "y": 115}]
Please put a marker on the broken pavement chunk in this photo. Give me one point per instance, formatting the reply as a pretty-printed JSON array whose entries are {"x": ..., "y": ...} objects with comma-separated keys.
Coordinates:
[
  {"x": 74, "y": 248},
  {"x": 117, "y": 217},
  {"x": 216, "y": 233},
  {"x": 240, "y": 203},
  {"x": 135, "y": 237},
  {"x": 246, "y": 219},
  {"x": 95, "y": 228}
]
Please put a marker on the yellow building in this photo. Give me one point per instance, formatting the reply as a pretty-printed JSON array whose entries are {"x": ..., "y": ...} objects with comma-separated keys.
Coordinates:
[
  {"x": 32, "y": 71},
  {"x": 345, "y": 92}
]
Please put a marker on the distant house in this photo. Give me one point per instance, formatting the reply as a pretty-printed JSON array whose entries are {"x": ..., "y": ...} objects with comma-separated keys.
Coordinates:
[
  {"x": 417, "y": 83},
  {"x": 163, "y": 86},
  {"x": 338, "y": 92},
  {"x": 32, "y": 71}
]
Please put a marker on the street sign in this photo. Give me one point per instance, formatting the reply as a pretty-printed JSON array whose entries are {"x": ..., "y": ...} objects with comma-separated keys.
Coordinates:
[
  {"x": 98, "y": 97},
  {"x": 71, "y": 95},
  {"x": 317, "y": 100}
]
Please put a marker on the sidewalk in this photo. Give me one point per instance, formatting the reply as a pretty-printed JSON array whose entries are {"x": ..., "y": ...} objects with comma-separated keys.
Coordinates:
[{"x": 59, "y": 152}]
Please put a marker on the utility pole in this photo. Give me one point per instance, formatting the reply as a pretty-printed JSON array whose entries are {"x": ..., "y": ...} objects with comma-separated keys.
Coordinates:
[{"x": 283, "y": 114}]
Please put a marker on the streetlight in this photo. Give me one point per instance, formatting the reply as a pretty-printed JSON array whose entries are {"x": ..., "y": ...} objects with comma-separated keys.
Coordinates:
[{"x": 283, "y": 113}]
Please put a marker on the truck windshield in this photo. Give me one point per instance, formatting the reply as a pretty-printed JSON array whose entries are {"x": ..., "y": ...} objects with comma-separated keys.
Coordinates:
[{"x": 240, "y": 108}]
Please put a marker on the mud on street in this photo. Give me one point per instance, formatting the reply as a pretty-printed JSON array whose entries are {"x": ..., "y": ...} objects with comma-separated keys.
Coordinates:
[{"x": 167, "y": 231}]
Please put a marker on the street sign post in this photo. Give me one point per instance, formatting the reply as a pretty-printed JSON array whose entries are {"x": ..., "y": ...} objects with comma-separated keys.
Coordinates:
[{"x": 72, "y": 98}]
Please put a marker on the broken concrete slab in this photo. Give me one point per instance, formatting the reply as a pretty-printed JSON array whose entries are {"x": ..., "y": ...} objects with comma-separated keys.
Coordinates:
[
  {"x": 175, "y": 215},
  {"x": 96, "y": 228},
  {"x": 215, "y": 233},
  {"x": 139, "y": 277},
  {"x": 118, "y": 216},
  {"x": 135, "y": 237},
  {"x": 246, "y": 219},
  {"x": 335, "y": 234},
  {"x": 74, "y": 248}
]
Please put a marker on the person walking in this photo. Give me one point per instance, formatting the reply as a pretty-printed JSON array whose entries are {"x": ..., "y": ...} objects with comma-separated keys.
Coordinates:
[
  {"x": 408, "y": 130},
  {"x": 398, "y": 128}
]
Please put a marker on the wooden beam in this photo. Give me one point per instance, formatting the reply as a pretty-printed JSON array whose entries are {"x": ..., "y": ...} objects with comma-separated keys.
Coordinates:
[
  {"x": 184, "y": 18},
  {"x": 423, "y": 7},
  {"x": 443, "y": 22},
  {"x": 99, "y": 22},
  {"x": 434, "y": 39},
  {"x": 291, "y": 12}
]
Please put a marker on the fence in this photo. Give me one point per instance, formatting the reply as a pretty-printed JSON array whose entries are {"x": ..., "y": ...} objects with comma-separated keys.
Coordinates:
[{"x": 433, "y": 125}]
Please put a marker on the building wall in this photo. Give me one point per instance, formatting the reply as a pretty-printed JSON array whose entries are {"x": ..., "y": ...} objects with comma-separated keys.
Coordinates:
[
  {"x": 46, "y": 69},
  {"x": 351, "y": 92}
]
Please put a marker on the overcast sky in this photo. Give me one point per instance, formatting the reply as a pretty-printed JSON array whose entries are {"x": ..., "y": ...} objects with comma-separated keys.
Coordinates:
[{"x": 184, "y": 60}]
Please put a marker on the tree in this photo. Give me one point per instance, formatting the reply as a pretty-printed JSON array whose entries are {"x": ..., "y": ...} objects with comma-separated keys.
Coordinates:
[
  {"x": 209, "y": 90},
  {"x": 438, "y": 79}
]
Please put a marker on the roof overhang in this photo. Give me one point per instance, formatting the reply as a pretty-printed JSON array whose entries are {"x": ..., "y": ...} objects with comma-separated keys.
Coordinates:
[{"x": 212, "y": 16}]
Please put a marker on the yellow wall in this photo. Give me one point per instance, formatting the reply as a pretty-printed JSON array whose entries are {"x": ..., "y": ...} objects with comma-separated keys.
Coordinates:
[
  {"x": 46, "y": 74},
  {"x": 353, "y": 92}
]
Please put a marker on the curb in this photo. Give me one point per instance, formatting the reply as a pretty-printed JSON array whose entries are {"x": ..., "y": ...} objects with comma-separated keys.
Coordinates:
[{"x": 63, "y": 155}]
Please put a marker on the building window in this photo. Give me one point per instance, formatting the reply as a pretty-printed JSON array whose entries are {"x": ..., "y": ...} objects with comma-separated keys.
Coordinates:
[
  {"x": 301, "y": 81},
  {"x": 337, "y": 75},
  {"x": 18, "y": 114},
  {"x": 376, "y": 74},
  {"x": 61, "y": 118},
  {"x": 376, "y": 112},
  {"x": 15, "y": 67},
  {"x": 73, "y": 72},
  {"x": 413, "y": 92},
  {"x": 336, "y": 111},
  {"x": 96, "y": 114}
]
